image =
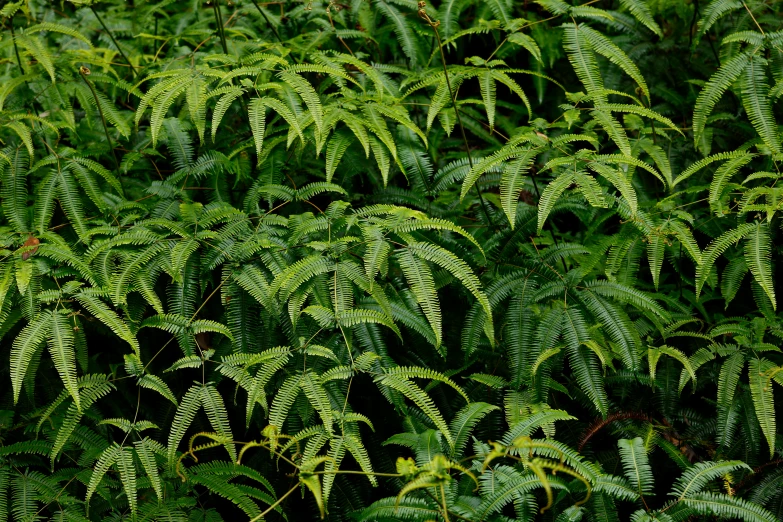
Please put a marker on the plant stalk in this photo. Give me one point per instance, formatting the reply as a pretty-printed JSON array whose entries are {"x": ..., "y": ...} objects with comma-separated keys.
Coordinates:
[
  {"x": 83, "y": 72},
  {"x": 100, "y": 20},
  {"x": 277, "y": 503},
  {"x": 268, "y": 22},
  {"x": 219, "y": 22},
  {"x": 16, "y": 49},
  {"x": 434, "y": 25}
]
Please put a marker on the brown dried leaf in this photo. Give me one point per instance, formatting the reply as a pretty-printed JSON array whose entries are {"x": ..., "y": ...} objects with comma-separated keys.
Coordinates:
[{"x": 31, "y": 241}]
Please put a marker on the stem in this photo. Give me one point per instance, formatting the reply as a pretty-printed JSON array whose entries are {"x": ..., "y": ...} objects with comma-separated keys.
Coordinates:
[
  {"x": 100, "y": 111},
  {"x": 352, "y": 472},
  {"x": 268, "y": 22},
  {"x": 133, "y": 70},
  {"x": 753, "y": 17},
  {"x": 219, "y": 22},
  {"x": 273, "y": 506},
  {"x": 16, "y": 49},
  {"x": 434, "y": 26},
  {"x": 445, "y": 507}
]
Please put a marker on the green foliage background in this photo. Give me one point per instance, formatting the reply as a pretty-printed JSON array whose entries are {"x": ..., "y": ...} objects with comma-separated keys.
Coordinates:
[{"x": 379, "y": 260}]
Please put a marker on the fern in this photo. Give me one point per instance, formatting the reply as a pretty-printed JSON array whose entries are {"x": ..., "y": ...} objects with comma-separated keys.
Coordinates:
[{"x": 277, "y": 241}]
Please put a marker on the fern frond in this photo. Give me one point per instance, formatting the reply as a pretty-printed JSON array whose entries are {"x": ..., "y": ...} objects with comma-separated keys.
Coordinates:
[
  {"x": 456, "y": 266},
  {"x": 422, "y": 284},
  {"x": 582, "y": 362},
  {"x": 405, "y": 35},
  {"x": 61, "y": 347},
  {"x": 107, "y": 459},
  {"x": 127, "y": 471},
  {"x": 145, "y": 451},
  {"x": 721, "y": 505},
  {"x": 29, "y": 340},
  {"x": 582, "y": 59},
  {"x": 755, "y": 98},
  {"x": 421, "y": 399},
  {"x": 605, "y": 47},
  {"x": 713, "y": 90},
  {"x": 218, "y": 416},
  {"x": 512, "y": 182},
  {"x": 186, "y": 413},
  {"x": 108, "y": 317},
  {"x": 550, "y": 195},
  {"x": 716, "y": 248},
  {"x": 636, "y": 465},
  {"x": 642, "y": 12},
  {"x": 713, "y": 12},
  {"x": 727, "y": 384},
  {"x": 758, "y": 247},
  {"x": 763, "y": 399},
  {"x": 696, "y": 478}
]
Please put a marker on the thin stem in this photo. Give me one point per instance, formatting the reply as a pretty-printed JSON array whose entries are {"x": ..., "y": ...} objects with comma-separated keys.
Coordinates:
[
  {"x": 273, "y": 506},
  {"x": 83, "y": 72},
  {"x": 219, "y": 22},
  {"x": 352, "y": 472},
  {"x": 16, "y": 49},
  {"x": 269, "y": 24},
  {"x": 445, "y": 507},
  {"x": 754, "y": 18},
  {"x": 100, "y": 20},
  {"x": 434, "y": 26},
  {"x": 328, "y": 14}
]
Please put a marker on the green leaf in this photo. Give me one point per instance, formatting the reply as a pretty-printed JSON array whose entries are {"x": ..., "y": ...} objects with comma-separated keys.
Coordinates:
[
  {"x": 108, "y": 317},
  {"x": 61, "y": 348},
  {"x": 642, "y": 12},
  {"x": 763, "y": 399},
  {"x": 724, "y": 506},
  {"x": 713, "y": 90},
  {"x": 636, "y": 464},
  {"x": 716, "y": 248},
  {"x": 257, "y": 116},
  {"x": 758, "y": 254},
  {"x": 551, "y": 194},
  {"x": 422, "y": 284},
  {"x": 464, "y": 422},
  {"x": 755, "y": 98},
  {"x": 29, "y": 340},
  {"x": 512, "y": 182},
  {"x": 697, "y": 477}
]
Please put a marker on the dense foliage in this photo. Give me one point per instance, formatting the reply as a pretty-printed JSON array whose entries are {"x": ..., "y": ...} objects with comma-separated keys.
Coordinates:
[{"x": 380, "y": 260}]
